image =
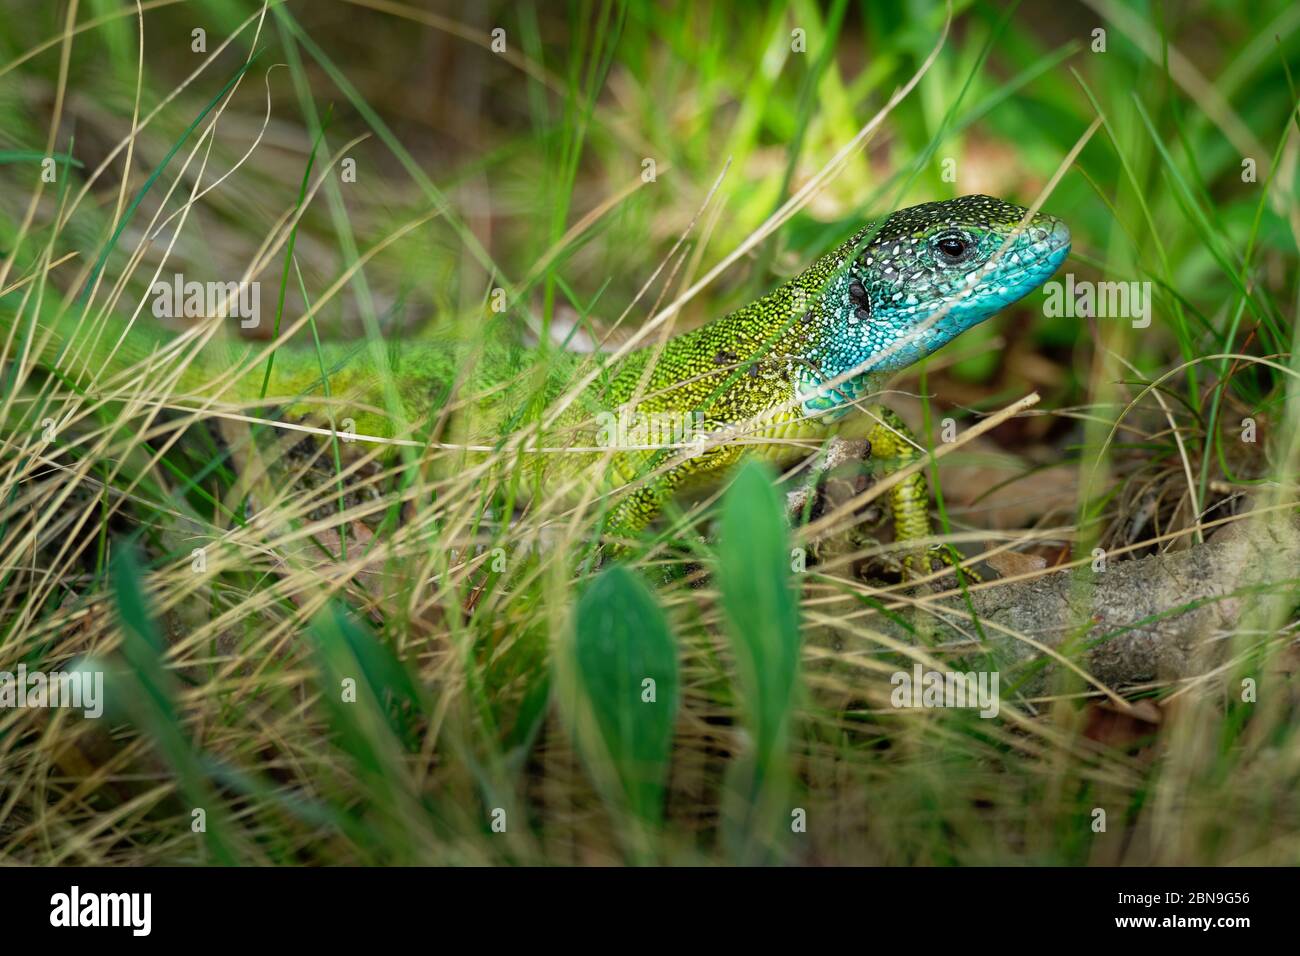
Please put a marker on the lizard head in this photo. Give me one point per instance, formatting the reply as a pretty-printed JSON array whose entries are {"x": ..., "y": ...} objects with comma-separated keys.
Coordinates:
[
  {"x": 898, "y": 292},
  {"x": 903, "y": 290},
  {"x": 932, "y": 271}
]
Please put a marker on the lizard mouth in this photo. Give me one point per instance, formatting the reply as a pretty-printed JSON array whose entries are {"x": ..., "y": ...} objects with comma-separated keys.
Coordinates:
[
  {"x": 1049, "y": 250},
  {"x": 1006, "y": 288},
  {"x": 1058, "y": 244}
]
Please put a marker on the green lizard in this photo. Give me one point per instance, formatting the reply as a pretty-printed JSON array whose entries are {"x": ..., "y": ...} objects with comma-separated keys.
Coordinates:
[{"x": 774, "y": 378}]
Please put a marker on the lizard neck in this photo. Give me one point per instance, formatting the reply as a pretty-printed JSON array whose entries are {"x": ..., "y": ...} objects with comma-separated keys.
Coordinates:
[
  {"x": 817, "y": 328},
  {"x": 776, "y": 352}
]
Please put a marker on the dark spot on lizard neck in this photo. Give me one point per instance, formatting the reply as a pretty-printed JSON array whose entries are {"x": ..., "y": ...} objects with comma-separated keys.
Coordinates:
[{"x": 861, "y": 299}]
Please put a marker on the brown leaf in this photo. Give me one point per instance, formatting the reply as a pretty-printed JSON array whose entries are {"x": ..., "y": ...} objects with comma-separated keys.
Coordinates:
[
  {"x": 1010, "y": 564},
  {"x": 1129, "y": 729}
]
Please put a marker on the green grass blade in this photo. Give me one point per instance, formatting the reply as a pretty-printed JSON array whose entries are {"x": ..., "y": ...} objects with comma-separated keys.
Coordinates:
[
  {"x": 146, "y": 691},
  {"x": 373, "y": 707},
  {"x": 153, "y": 177},
  {"x": 763, "y": 624},
  {"x": 620, "y": 695}
]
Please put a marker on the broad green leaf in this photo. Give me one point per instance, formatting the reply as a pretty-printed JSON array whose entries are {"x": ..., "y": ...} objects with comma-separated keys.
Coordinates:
[
  {"x": 620, "y": 692},
  {"x": 373, "y": 706},
  {"x": 763, "y": 623},
  {"x": 145, "y": 689}
]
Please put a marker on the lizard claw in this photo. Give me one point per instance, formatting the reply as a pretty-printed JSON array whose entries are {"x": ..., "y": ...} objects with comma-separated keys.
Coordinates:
[{"x": 919, "y": 564}]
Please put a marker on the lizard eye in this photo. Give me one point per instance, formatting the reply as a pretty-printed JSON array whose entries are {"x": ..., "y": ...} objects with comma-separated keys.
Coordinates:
[{"x": 952, "y": 247}]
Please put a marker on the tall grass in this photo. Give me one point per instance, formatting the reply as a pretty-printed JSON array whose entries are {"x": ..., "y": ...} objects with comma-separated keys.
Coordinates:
[{"x": 332, "y": 652}]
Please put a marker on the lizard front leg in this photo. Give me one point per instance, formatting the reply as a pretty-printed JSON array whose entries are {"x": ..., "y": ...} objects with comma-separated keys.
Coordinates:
[{"x": 895, "y": 447}]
